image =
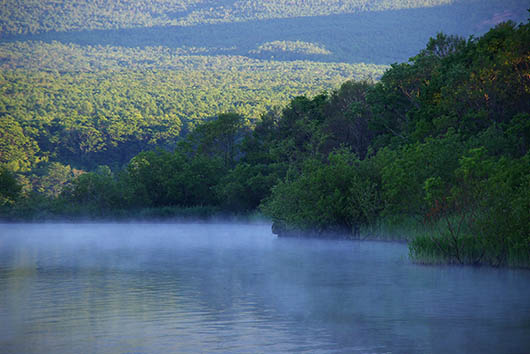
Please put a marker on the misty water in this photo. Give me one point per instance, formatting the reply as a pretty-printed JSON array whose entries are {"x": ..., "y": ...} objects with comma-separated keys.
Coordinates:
[{"x": 159, "y": 288}]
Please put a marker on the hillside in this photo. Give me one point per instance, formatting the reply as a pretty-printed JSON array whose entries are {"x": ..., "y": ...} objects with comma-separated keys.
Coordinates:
[
  {"x": 30, "y": 16},
  {"x": 436, "y": 151},
  {"x": 88, "y": 106},
  {"x": 393, "y": 33},
  {"x": 95, "y": 83}
]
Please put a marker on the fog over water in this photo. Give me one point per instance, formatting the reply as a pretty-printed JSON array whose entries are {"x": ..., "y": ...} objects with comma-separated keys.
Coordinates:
[{"x": 158, "y": 288}]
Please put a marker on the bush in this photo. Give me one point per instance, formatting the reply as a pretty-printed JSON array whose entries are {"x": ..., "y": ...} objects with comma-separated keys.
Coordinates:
[
  {"x": 483, "y": 217},
  {"x": 334, "y": 196},
  {"x": 10, "y": 189}
]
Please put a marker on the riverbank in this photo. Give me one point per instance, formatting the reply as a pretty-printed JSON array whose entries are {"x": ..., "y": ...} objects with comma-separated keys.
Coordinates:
[
  {"x": 427, "y": 244},
  {"x": 162, "y": 214}
]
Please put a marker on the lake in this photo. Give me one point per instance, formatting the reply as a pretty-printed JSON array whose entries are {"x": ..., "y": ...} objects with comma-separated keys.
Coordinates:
[{"x": 237, "y": 288}]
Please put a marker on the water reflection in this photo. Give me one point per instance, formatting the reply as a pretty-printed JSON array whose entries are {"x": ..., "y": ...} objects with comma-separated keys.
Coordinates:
[{"x": 119, "y": 288}]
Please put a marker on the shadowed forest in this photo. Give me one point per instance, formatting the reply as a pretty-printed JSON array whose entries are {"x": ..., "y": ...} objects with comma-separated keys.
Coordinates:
[{"x": 392, "y": 33}]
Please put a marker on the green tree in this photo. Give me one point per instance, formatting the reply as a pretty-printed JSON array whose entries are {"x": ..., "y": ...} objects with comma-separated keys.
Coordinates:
[
  {"x": 404, "y": 172},
  {"x": 97, "y": 191},
  {"x": 17, "y": 151},
  {"x": 243, "y": 188},
  {"x": 219, "y": 137},
  {"x": 57, "y": 178},
  {"x": 9, "y": 188},
  {"x": 347, "y": 115},
  {"x": 338, "y": 196}
]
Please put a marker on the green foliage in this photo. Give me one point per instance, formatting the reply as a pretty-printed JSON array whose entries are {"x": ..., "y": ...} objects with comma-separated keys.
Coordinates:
[
  {"x": 336, "y": 196},
  {"x": 289, "y": 50},
  {"x": 410, "y": 172},
  {"x": 314, "y": 127},
  {"x": 503, "y": 203},
  {"x": 58, "y": 177},
  {"x": 17, "y": 151},
  {"x": 442, "y": 139},
  {"x": 160, "y": 178},
  {"x": 480, "y": 89},
  {"x": 460, "y": 168},
  {"x": 218, "y": 137},
  {"x": 10, "y": 189},
  {"x": 108, "y": 116},
  {"x": 483, "y": 218},
  {"x": 199, "y": 180},
  {"x": 454, "y": 84},
  {"x": 149, "y": 174},
  {"x": 70, "y": 57},
  {"x": 97, "y": 191},
  {"x": 244, "y": 187},
  {"x": 347, "y": 116},
  {"x": 518, "y": 131}
]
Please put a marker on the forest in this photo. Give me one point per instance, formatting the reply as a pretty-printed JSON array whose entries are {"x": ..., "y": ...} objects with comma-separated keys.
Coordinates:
[
  {"x": 101, "y": 106},
  {"x": 349, "y": 31},
  {"x": 439, "y": 146},
  {"x": 30, "y": 16}
]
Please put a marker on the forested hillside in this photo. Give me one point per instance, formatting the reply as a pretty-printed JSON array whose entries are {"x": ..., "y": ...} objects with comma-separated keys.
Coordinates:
[
  {"x": 30, "y": 16},
  {"x": 394, "y": 33},
  {"x": 88, "y": 106},
  {"x": 294, "y": 109},
  {"x": 440, "y": 143},
  {"x": 88, "y": 94}
]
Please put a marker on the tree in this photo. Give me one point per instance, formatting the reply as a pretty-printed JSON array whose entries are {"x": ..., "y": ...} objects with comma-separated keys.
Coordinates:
[
  {"x": 219, "y": 137},
  {"x": 17, "y": 151},
  {"x": 96, "y": 191},
  {"x": 347, "y": 117},
  {"x": 243, "y": 188},
  {"x": 335, "y": 196},
  {"x": 9, "y": 188},
  {"x": 57, "y": 178}
]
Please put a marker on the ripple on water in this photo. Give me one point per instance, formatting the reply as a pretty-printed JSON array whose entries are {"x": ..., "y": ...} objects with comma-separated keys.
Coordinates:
[{"x": 148, "y": 288}]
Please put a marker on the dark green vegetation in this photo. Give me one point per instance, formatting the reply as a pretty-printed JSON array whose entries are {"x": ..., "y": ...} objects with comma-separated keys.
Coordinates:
[
  {"x": 441, "y": 141},
  {"x": 104, "y": 114}
]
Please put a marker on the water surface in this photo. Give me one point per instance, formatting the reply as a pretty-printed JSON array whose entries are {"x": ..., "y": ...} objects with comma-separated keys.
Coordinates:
[{"x": 159, "y": 288}]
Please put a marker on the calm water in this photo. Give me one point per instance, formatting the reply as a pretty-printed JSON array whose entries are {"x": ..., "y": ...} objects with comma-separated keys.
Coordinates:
[{"x": 145, "y": 288}]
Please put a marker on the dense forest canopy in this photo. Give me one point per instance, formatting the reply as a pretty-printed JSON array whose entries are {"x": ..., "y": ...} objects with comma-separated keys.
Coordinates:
[
  {"x": 31, "y": 16},
  {"x": 88, "y": 106},
  {"x": 73, "y": 58}
]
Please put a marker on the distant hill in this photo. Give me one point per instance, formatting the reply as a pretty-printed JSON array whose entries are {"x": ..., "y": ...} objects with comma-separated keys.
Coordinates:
[
  {"x": 371, "y": 31},
  {"x": 31, "y": 16}
]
